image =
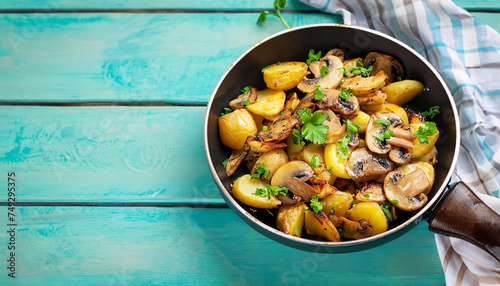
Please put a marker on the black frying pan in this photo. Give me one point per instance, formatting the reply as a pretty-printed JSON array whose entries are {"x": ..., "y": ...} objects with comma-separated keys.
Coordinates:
[{"x": 453, "y": 210}]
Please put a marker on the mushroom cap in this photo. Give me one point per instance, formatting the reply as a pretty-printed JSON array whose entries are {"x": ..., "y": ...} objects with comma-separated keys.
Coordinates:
[
  {"x": 388, "y": 64},
  {"x": 400, "y": 155},
  {"x": 405, "y": 192},
  {"x": 329, "y": 80},
  {"x": 364, "y": 165},
  {"x": 374, "y": 144},
  {"x": 371, "y": 192},
  {"x": 293, "y": 169},
  {"x": 238, "y": 102},
  {"x": 347, "y": 108},
  {"x": 279, "y": 129}
]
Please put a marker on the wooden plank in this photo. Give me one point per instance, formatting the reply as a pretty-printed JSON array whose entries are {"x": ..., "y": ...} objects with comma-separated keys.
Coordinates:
[
  {"x": 106, "y": 154},
  {"x": 126, "y": 57},
  {"x": 136, "y": 246},
  {"x": 198, "y": 4}
]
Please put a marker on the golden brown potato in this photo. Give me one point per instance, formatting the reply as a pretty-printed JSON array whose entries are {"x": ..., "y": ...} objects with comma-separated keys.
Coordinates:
[
  {"x": 339, "y": 201},
  {"x": 235, "y": 127},
  {"x": 321, "y": 226},
  {"x": 420, "y": 149},
  {"x": 361, "y": 119},
  {"x": 290, "y": 219},
  {"x": 284, "y": 76},
  {"x": 269, "y": 102},
  {"x": 311, "y": 150},
  {"x": 402, "y": 92},
  {"x": 370, "y": 212},
  {"x": 272, "y": 160},
  {"x": 245, "y": 187},
  {"x": 334, "y": 162}
]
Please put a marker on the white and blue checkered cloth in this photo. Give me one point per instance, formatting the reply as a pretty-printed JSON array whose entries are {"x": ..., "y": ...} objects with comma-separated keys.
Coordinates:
[{"x": 467, "y": 53}]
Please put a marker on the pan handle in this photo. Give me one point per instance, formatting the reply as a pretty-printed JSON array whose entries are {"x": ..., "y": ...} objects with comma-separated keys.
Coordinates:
[{"x": 462, "y": 214}]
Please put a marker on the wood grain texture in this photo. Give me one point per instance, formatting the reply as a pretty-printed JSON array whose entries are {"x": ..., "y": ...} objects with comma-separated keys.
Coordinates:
[
  {"x": 164, "y": 246},
  {"x": 126, "y": 57},
  {"x": 106, "y": 154}
]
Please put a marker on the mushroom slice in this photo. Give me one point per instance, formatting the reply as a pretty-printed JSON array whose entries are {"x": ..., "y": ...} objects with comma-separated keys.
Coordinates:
[
  {"x": 293, "y": 176},
  {"x": 306, "y": 102},
  {"x": 371, "y": 192},
  {"x": 330, "y": 80},
  {"x": 400, "y": 155},
  {"x": 235, "y": 160},
  {"x": 375, "y": 130},
  {"x": 364, "y": 165},
  {"x": 258, "y": 145},
  {"x": 238, "y": 102},
  {"x": 339, "y": 53},
  {"x": 351, "y": 229},
  {"x": 388, "y": 64},
  {"x": 347, "y": 108},
  {"x": 374, "y": 98},
  {"x": 360, "y": 86},
  {"x": 354, "y": 140},
  {"x": 335, "y": 127},
  {"x": 279, "y": 129},
  {"x": 406, "y": 192}
]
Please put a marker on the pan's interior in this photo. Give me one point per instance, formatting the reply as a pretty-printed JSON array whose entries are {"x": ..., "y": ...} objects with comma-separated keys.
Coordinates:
[{"x": 294, "y": 46}]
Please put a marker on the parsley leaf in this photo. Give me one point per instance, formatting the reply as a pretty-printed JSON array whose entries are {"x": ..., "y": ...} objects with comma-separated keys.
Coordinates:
[
  {"x": 262, "y": 193},
  {"x": 364, "y": 72},
  {"x": 246, "y": 102},
  {"x": 386, "y": 208},
  {"x": 346, "y": 93},
  {"x": 324, "y": 70},
  {"x": 346, "y": 73},
  {"x": 332, "y": 210},
  {"x": 362, "y": 220},
  {"x": 360, "y": 62},
  {"x": 319, "y": 94},
  {"x": 395, "y": 201},
  {"x": 353, "y": 127},
  {"x": 312, "y": 56},
  {"x": 433, "y": 111},
  {"x": 270, "y": 190},
  {"x": 398, "y": 78},
  {"x": 382, "y": 136},
  {"x": 366, "y": 195},
  {"x": 259, "y": 169},
  {"x": 297, "y": 137},
  {"x": 316, "y": 204},
  {"x": 314, "y": 161},
  {"x": 246, "y": 89},
  {"x": 428, "y": 129},
  {"x": 343, "y": 148},
  {"x": 312, "y": 129},
  {"x": 226, "y": 111},
  {"x": 264, "y": 128},
  {"x": 264, "y": 69},
  {"x": 225, "y": 162},
  {"x": 277, "y": 5},
  {"x": 383, "y": 122}
]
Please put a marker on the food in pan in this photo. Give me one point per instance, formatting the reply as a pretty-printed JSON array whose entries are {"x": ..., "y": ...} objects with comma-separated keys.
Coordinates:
[{"x": 329, "y": 147}]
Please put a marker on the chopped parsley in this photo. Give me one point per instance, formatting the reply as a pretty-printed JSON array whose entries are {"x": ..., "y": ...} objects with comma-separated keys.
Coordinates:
[
  {"x": 423, "y": 132},
  {"x": 346, "y": 73},
  {"x": 366, "y": 195},
  {"x": 297, "y": 137},
  {"x": 398, "y": 78},
  {"x": 264, "y": 128},
  {"x": 382, "y": 136},
  {"x": 312, "y": 129},
  {"x": 226, "y": 111},
  {"x": 316, "y": 204},
  {"x": 270, "y": 190},
  {"x": 364, "y": 72},
  {"x": 346, "y": 93},
  {"x": 332, "y": 210},
  {"x": 330, "y": 170},
  {"x": 395, "y": 201},
  {"x": 433, "y": 111},
  {"x": 246, "y": 102},
  {"x": 343, "y": 148},
  {"x": 386, "y": 208},
  {"x": 362, "y": 220},
  {"x": 353, "y": 127},
  {"x": 314, "y": 161},
  {"x": 312, "y": 56},
  {"x": 319, "y": 94},
  {"x": 383, "y": 121},
  {"x": 225, "y": 162},
  {"x": 264, "y": 69},
  {"x": 324, "y": 70},
  {"x": 277, "y": 5},
  {"x": 246, "y": 89},
  {"x": 259, "y": 170}
]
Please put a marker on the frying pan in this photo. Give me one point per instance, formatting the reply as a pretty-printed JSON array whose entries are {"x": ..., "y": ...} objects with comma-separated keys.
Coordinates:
[{"x": 452, "y": 210}]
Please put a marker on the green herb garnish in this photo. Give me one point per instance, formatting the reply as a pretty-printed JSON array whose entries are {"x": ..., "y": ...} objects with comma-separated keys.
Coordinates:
[
  {"x": 264, "y": 128},
  {"x": 343, "y": 148},
  {"x": 395, "y": 201},
  {"x": 364, "y": 72},
  {"x": 316, "y": 204},
  {"x": 246, "y": 102},
  {"x": 433, "y": 111},
  {"x": 246, "y": 89},
  {"x": 324, "y": 70},
  {"x": 383, "y": 121},
  {"x": 332, "y": 210},
  {"x": 225, "y": 162},
  {"x": 319, "y": 94},
  {"x": 314, "y": 161},
  {"x": 386, "y": 208},
  {"x": 259, "y": 170},
  {"x": 346, "y": 93},
  {"x": 312, "y": 129},
  {"x": 270, "y": 190},
  {"x": 423, "y": 132},
  {"x": 353, "y": 127},
  {"x": 312, "y": 56},
  {"x": 226, "y": 111},
  {"x": 277, "y": 5},
  {"x": 382, "y": 136}
]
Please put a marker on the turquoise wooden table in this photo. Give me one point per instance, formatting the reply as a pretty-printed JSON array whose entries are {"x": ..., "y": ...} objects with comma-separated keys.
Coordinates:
[{"x": 101, "y": 146}]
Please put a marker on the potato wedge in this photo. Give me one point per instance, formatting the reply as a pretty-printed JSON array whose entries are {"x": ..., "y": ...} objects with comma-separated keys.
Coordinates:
[
  {"x": 401, "y": 92},
  {"x": 333, "y": 161},
  {"x": 370, "y": 212},
  {"x": 269, "y": 102},
  {"x": 272, "y": 160},
  {"x": 321, "y": 226},
  {"x": 235, "y": 127},
  {"x": 290, "y": 219},
  {"x": 284, "y": 76},
  {"x": 420, "y": 149},
  {"x": 364, "y": 85},
  {"x": 361, "y": 119},
  {"x": 374, "y": 98},
  {"x": 339, "y": 201},
  {"x": 245, "y": 187}
]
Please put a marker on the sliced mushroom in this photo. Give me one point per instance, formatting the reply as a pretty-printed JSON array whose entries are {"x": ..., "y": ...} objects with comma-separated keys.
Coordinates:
[
  {"x": 315, "y": 66},
  {"x": 235, "y": 160},
  {"x": 293, "y": 175},
  {"x": 361, "y": 86},
  {"x": 351, "y": 229},
  {"x": 251, "y": 158},
  {"x": 291, "y": 103},
  {"x": 335, "y": 127},
  {"x": 375, "y": 144},
  {"x": 406, "y": 191},
  {"x": 371, "y": 192},
  {"x": 339, "y": 53},
  {"x": 364, "y": 165},
  {"x": 388, "y": 64},
  {"x": 238, "y": 102},
  {"x": 347, "y": 108},
  {"x": 280, "y": 129},
  {"x": 400, "y": 155},
  {"x": 306, "y": 102},
  {"x": 330, "y": 80},
  {"x": 354, "y": 140},
  {"x": 258, "y": 145}
]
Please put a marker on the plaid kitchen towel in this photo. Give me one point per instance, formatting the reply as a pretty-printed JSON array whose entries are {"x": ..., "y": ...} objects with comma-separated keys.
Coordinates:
[{"x": 467, "y": 54}]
